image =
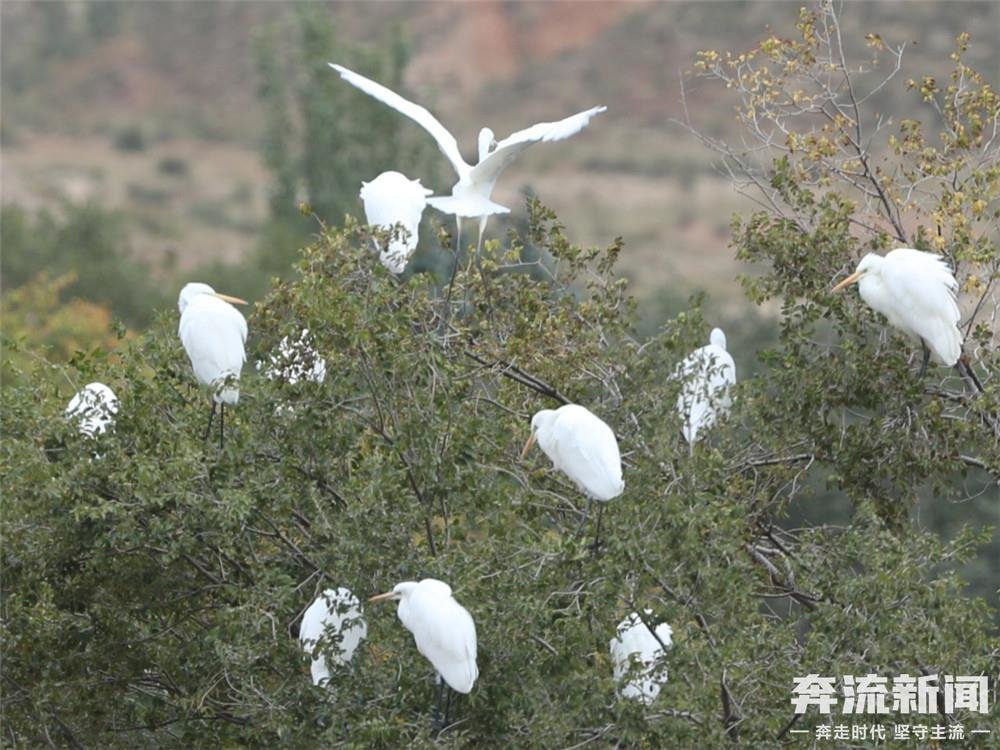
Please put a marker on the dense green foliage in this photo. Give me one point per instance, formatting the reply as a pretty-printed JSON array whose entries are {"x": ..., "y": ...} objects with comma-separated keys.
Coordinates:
[{"x": 153, "y": 582}]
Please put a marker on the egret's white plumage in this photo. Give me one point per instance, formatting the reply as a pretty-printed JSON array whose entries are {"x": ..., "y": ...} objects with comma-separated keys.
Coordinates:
[
  {"x": 335, "y": 613},
  {"x": 393, "y": 198},
  {"x": 707, "y": 374},
  {"x": 635, "y": 642},
  {"x": 213, "y": 333},
  {"x": 581, "y": 446},
  {"x": 470, "y": 196},
  {"x": 916, "y": 292},
  {"x": 94, "y": 408},
  {"x": 295, "y": 360},
  {"x": 442, "y": 629}
]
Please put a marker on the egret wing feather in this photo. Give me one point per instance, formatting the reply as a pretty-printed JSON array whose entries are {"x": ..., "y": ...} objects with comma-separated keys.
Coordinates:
[
  {"x": 923, "y": 291},
  {"x": 707, "y": 374},
  {"x": 487, "y": 170},
  {"x": 446, "y": 635},
  {"x": 422, "y": 116},
  {"x": 587, "y": 452},
  {"x": 213, "y": 333}
]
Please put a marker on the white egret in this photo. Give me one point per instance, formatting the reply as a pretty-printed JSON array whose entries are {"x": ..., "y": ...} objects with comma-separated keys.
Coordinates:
[
  {"x": 444, "y": 632},
  {"x": 94, "y": 408},
  {"x": 707, "y": 373},
  {"x": 635, "y": 642},
  {"x": 336, "y": 613},
  {"x": 584, "y": 448},
  {"x": 915, "y": 291},
  {"x": 213, "y": 333},
  {"x": 295, "y": 360},
  {"x": 470, "y": 196},
  {"x": 393, "y": 198}
]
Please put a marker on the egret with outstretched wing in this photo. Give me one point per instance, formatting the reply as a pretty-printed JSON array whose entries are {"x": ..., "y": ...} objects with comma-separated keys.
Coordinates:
[{"x": 470, "y": 196}]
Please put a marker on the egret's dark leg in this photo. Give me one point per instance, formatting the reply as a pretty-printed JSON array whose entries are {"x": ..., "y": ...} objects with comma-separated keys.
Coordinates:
[
  {"x": 211, "y": 416},
  {"x": 222, "y": 423},
  {"x": 447, "y": 706},
  {"x": 436, "y": 720},
  {"x": 927, "y": 357},
  {"x": 597, "y": 536},
  {"x": 584, "y": 519},
  {"x": 454, "y": 265},
  {"x": 479, "y": 243}
]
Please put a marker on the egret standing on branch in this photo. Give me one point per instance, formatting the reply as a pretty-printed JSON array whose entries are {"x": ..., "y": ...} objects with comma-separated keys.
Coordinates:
[
  {"x": 443, "y": 631},
  {"x": 213, "y": 333},
  {"x": 584, "y": 448},
  {"x": 393, "y": 198},
  {"x": 707, "y": 373},
  {"x": 470, "y": 197},
  {"x": 335, "y": 612},
  {"x": 915, "y": 291}
]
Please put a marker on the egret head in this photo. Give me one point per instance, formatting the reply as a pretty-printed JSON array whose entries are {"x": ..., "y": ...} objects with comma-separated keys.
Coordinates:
[
  {"x": 541, "y": 429},
  {"x": 399, "y": 591},
  {"x": 717, "y": 338},
  {"x": 402, "y": 591},
  {"x": 487, "y": 142},
  {"x": 196, "y": 289},
  {"x": 869, "y": 264}
]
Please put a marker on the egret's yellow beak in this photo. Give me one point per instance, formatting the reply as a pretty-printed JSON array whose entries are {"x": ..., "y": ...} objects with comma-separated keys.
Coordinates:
[
  {"x": 231, "y": 300},
  {"x": 527, "y": 446},
  {"x": 847, "y": 282},
  {"x": 382, "y": 597}
]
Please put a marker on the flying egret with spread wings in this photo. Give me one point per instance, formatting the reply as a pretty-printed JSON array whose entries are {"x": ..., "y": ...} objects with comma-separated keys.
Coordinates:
[
  {"x": 393, "y": 198},
  {"x": 93, "y": 408},
  {"x": 444, "y": 632},
  {"x": 213, "y": 333},
  {"x": 584, "y": 448},
  {"x": 707, "y": 372},
  {"x": 916, "y": 292},
  {"x": 470, "y": 196},
  {"x": 636, "y": 642},
  {"x": 336, "y": 613}
]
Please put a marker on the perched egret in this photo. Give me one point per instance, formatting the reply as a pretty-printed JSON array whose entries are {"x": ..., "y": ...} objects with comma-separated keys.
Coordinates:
[
  {"x": 337, "y": 613},
  {"x": 470, "y": 197},
  {"x": 94, "y": 408},
  {"x": 443, "y": 631},
  {"x": 915, "y": 291},
  {"x": 635, "y": 642},
  {"x": 295, "y": 360},
  {"x": 584, "y": 448},
  {"x": 213, "y": 333},
  {"x": 707, "y": 373},
  {"x": 393, "y": 198}
]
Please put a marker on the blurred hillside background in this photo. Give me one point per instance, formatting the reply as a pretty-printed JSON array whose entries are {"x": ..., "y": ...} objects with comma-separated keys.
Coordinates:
[{"x": 147, "y": 144}]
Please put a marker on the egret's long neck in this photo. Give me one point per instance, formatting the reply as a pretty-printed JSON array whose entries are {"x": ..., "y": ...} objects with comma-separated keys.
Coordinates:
[
  {"x": 872, "y": 291},
  {"x": 485, "y": 143}
]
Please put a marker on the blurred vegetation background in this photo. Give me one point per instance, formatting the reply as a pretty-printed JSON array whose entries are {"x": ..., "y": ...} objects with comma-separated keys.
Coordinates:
[{"x": 147, "y": 144}]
